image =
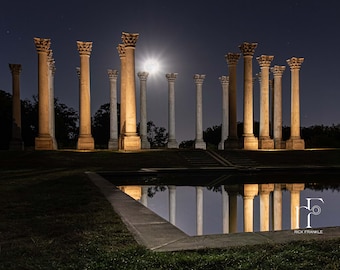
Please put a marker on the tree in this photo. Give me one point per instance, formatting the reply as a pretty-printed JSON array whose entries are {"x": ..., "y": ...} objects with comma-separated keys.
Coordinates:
[
  {"x": 5, "y": 119},
  {"x": 157, "y": 136},
  {"x": 212, "y": 136}
]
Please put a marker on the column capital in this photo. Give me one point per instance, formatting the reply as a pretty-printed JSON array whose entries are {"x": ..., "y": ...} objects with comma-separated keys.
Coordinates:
[
  {"x": 171, "y": 76},
  {"x": 84, "y": 47},
  {"x": 247, "y": 48},
  {"x": 78, "y": 71},
  {"x": 42, "y": 44},
  {"x": 129, "y": 39},
  {"x": 121, "y": 50},
  {"x": 199, "y": 78},
  {"x": 295, "y": 62},
  {"x": 224, "y": 80},
  {"x": 278, "y": 70},
  {"x": 143, "y": 75},
  {"x": 232, "y": 58},
  {"x": 113, "y": 74},
  {"x": 265, "y": 60},
  {"x": 15, "y": 68}
]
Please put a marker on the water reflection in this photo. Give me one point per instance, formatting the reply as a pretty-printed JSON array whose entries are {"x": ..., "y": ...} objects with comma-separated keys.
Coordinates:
[{"x": 246, "y": 207}]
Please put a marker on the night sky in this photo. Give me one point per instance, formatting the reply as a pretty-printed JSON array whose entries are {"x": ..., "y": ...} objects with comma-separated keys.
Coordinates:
[{"x": 185, "y": 37}]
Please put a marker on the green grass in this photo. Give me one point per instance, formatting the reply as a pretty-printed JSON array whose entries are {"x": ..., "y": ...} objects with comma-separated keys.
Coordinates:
[{"x": 53, "y": 217}]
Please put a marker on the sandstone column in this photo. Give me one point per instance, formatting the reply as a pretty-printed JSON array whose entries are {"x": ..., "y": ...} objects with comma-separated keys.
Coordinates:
[
  {"x": 250, "y": 142},
  {"x": 121, "y": 52},
  {"x": 44, "y": 141},
  {"x": 16, "y": 142},
  {"x": 113, "y": 141},
  {"x": 131, "y": 140},
  {"x": 277, "y": 207},
  {"x": 295, "y": 142},
  {"x": 232, "y": 140},
  {"x": 85, "y": 140},
  {"x": 143, "y": 132},
  {"x": 250, "y": 191},
  {"x": 225, "y": 210},
  {"x": 265, "y": 142},
  {"x": 277, "y": 93},
  {"x": 264, "y": 190},
  {"x": 172, "y": 204},
  {"x": 199, "y": 143},
  {"x": 233, "y": 191},
  {"x": 295, "y": 190},
  {"x": 51, "y": 73},
  {"x": 199, "y": 210},
  {"x": 172, "y": 143},
  {"x": 225, "y": 111}
]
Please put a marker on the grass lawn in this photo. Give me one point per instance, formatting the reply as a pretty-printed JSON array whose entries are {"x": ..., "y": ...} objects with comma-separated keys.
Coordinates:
[{"x": 53, "y": 217}]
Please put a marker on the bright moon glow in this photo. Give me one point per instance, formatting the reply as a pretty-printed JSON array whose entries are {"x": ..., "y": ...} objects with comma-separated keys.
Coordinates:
[{"x": 151, "y": 66}]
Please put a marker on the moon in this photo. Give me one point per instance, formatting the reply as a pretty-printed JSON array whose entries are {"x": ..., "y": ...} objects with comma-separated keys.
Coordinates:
[{"x": 151, "y": 66}]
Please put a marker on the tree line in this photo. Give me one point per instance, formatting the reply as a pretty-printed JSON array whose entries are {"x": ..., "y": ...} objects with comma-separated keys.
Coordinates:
[{"x": 67, "y": 129}]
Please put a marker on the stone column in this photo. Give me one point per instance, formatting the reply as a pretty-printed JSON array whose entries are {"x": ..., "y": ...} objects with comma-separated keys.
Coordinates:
[
  {"x": 113, "y": 141},
  {"x": 265, "y": 142},
  {"x": 172, "y": 143},
  {"x": 172, "y": 204},
  {"x": 264, "y": 190},
  {"x": 199, "y": 210},
  {"x": 225, "y": 111},
  {"x": 16, "y": 142},
  {"x": 232, "y": 140},
  {"x": 44, "y": 141},
  {"x": 250, "y": 142},
  {"x": 199, "y": 143},
  {"x": 85, "y": 140},
  {"x": 131, "y": 140},
  {"x": 295, "y": 190},
  {"x": 51, "y": 73},
  {"x": 233, "y": 191},
  {"x": 143, "y": 132},
  {"x": 277, "y": 96},
  {"x": 225, "y": 210},
  {"x": 295, "y": 142},
  {"x": 144, "y": 198},
  {"x": 250, "y": 191},
  {"x": 277, "y": 207},
  {"x": 121, "y": 52}
]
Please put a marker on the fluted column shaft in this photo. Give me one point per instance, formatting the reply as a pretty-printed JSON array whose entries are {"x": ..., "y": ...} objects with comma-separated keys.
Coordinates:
[
  {"x": 225, "y": 210},
  {"x": 264, "y": 190},
  {"x": 172, "y": 143},
  {"x": 199, "y": 210},
  {"x": 277, "y": 207},
  {"x": 295, "y": 190},
  {"x": 51, "y": 73},
  {"x": 121, "y": 52},
  {"x": 143, "y": 76},
  {"x": 199, "y": 143},
  {"x": 113, "y": 141},
  {"x": 225, "y": 110},
  {"x": 250, "y": 191},
  {"x": 172, "y": 204}
]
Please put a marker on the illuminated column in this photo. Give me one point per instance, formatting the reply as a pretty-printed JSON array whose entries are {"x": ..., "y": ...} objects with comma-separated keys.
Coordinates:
[
  {"x": 233, "y": 191},
  {"x": 44, "y": 141},
  {"x": 232, "y": 140},
  {"x": 250, "y": 191},
  {"x": 250, "y": 142},
  {"x": 51, "y": 73},
  {"x": 172, "y": 204},
  {"x": 143, "y": 76},
  {"x": 225, "y": 210},
  {"x": 199, "y": 143},
  {"x": 295, "y": 190},
  {"x": 199, "y": 210},
  {"x": 264, "y": 190},
  {"x": 144, "y": 198},
  {"x": 130, "y": 140},
  {"x": 16, "y": 142},
  {"x": 121, "y": 52},
  {"x": 277, "y": 207},
  {"x": 172, "y": 143},
  {"x": 265, "y": 142},
  {"x": 225, "y": 111},
  {"x": 277, "y": 93},
  {"x": 85, "y": 140},
  {"x": 295, "y": 142},
  {"x": 113, "y": 141}
]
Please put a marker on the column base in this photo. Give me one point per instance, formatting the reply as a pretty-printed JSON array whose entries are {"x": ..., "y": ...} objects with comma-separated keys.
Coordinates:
[
  {"x": 145, "y": 143},
  {"x": 279, "y": 144},
  {"x": 16, "y": 145},
  {"x": 295, "y": 144},
  {"x": 55, "y": 144},
  {"x": 85, "y": 143},
  {"x": 231, "y": 143},
  {"x": 44, "y": 143},
  {"x": 131, "y": 143},
  {"x": 200, "y": 144},
  {"x": 113, "y": 144},
  {"x": 172, "y": 144},
  {"x": 250, "y": 143},
  {"x": 266, "y": 143}
]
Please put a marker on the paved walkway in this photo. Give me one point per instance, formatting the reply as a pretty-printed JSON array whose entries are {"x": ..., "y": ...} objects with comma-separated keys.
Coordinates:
[{"x": 157, "y": 234}]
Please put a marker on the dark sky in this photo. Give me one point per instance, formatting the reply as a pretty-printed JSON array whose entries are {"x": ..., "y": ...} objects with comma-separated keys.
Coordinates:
[{"x": 187, "y": 38}]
